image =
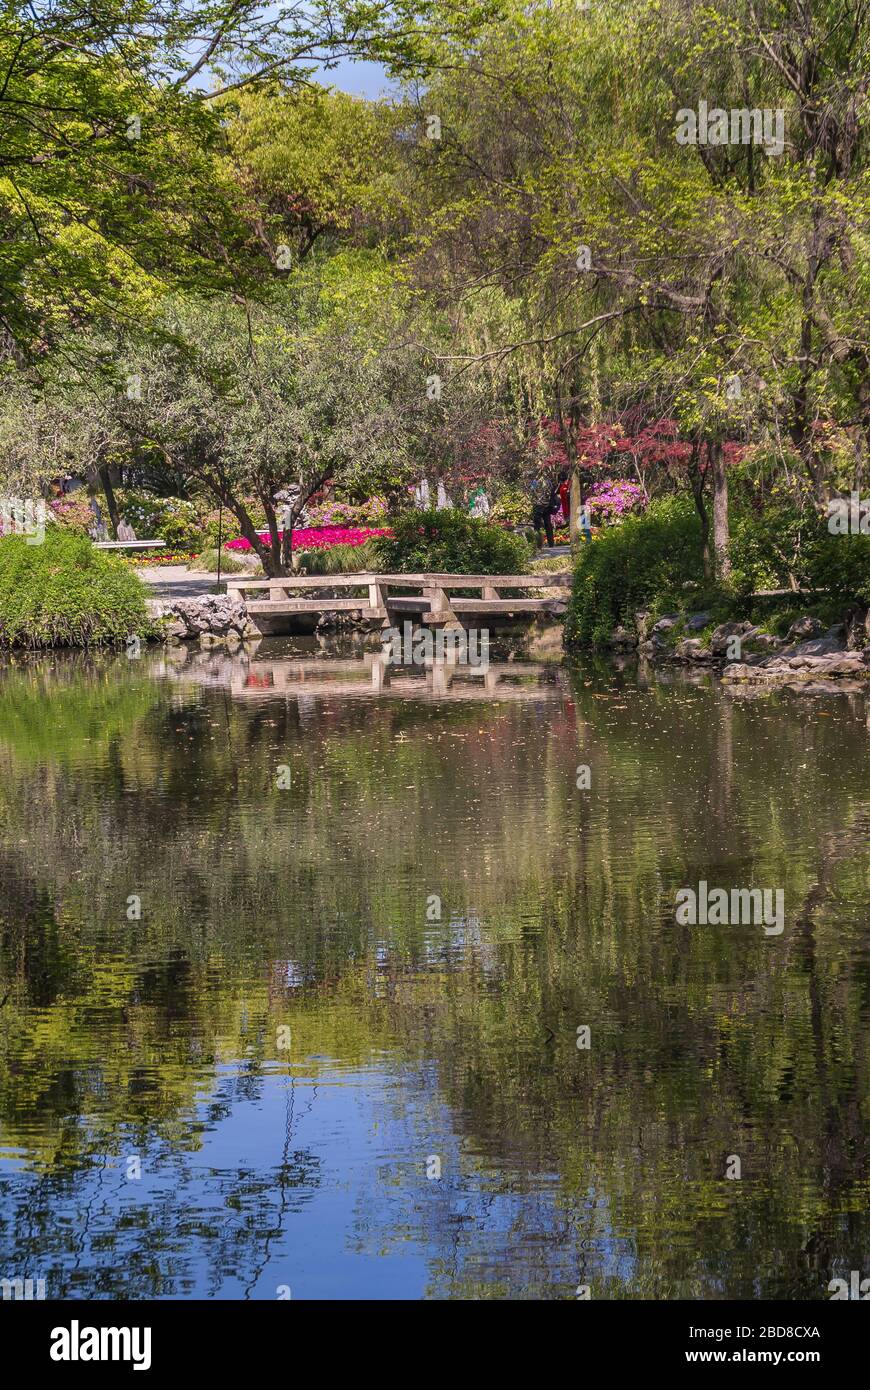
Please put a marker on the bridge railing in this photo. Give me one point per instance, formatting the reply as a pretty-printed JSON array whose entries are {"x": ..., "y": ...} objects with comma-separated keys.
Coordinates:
[{"x": 434, "y": 602}]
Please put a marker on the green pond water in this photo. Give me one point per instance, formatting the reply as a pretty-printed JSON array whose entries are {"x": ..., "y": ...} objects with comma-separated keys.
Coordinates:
[{"x": 238, "y": 1044}]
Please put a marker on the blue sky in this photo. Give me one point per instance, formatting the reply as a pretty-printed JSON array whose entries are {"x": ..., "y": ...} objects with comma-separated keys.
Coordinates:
[{"x": 361, "y": 79}]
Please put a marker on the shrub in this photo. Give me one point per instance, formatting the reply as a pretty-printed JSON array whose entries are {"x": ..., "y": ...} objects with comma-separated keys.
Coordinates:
[
  {"x": 769, "y": 545},
  {"x": 840, "y": 565},
  {"x": 72, "y": 512},
  {"x": 450, "y": 542},
  {"x": 512, "y": 507},
  {"x": 66, "y": 593},
  {"x": 613, "y": 498},
  {"x": 175, "y": 519},
  {"x": 340, "y": 559},
  {"x": 373, "y": 512},
  {"x": 231, "y": 563},
  {"x": 648, "y": 558}
]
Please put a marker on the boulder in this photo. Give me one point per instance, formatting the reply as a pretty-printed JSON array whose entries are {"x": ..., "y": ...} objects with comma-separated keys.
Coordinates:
[
  {"x": 725, "y": 633},
  {"x": 207, "y": 615},
  {"x": 696, "y": 621},
  {"x": 804, "y": 627},
  {"x": 693, "y": 649},
  {"x": 834, "y": 640},
  {"x": 665, "y": 623},
  {"x": 655, "y": 646},
  {"x": 858, "y": 628}
]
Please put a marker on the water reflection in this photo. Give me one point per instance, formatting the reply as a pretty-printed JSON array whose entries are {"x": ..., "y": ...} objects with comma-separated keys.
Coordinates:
[{"x": 158, "y": 1140}]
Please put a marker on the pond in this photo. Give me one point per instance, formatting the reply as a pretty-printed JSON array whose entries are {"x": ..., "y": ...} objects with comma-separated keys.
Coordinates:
[{"x": 318, "y": 985}]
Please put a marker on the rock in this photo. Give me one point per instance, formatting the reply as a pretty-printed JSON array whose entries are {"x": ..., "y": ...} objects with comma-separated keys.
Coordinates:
[
  {"x": 655, "y": 646},
  {"x": 819, "y": 665},
  {"x": 209, "y": 615},
  {"x": 765, "y": 641},
  {"x": 803, "y": 627},
  {"x": 723, "y": 636},
  {"x": 834, "y": 640},
  {"x": 621, "y": 637},
  {"x": 696, "y": 621},
  {"x": 858, "y": 629},
  {"x": 848, "y": 664},
  {"x": 665, "y": 623},
  {"x": 693, "y": 649}
]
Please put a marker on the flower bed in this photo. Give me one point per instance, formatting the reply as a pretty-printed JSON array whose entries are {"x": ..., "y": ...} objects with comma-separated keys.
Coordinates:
[
  {"x": 326, "y": 514},
  {"x": 138, "y": 560},
  {"x": 318, "y": 537}
]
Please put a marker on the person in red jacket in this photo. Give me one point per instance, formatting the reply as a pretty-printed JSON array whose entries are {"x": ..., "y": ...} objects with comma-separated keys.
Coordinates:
[{"x": 565, "y": 496}]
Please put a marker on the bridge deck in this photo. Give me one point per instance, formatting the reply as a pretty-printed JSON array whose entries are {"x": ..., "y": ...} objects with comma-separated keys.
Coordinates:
[{"x": 434, "y": 604}]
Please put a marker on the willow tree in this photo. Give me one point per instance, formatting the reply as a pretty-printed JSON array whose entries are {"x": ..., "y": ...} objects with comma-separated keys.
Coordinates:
[{"x": 710, "y": 282}]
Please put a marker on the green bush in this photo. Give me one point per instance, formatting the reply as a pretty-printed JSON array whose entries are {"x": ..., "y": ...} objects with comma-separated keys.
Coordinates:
[
  {"x": 450, "y": 542},
  {"x": 174, "y": 519},
  {"x": 231, "y": 563},
  {"x": 769, "y": 545},
  {"x": 840, "y": 565},
  {"x": 512, "y": 506},
  {"x": 647, "y": 560},
  {"x": 65, "y": 593},
  {"x": 340, "y": 559}
]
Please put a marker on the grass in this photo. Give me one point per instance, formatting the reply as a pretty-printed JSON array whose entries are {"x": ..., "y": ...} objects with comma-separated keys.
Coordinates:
[{"x": 231, "y": 563}]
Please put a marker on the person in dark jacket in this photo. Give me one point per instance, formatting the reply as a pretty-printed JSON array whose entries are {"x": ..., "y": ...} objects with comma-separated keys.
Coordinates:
[{"x": 545, "y": 501}]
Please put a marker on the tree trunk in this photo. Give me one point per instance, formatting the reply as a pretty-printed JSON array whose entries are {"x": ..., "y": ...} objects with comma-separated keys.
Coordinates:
[
  {"x": 721, "y": 533},
  {"x": 697, "y": 478},
  {"x": 275, "y": 547},
  {"x": 576, "y": 496},
  {"x": 109, "y": 493}
]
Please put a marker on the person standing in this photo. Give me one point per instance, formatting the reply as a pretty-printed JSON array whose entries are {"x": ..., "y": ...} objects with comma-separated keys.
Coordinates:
[
  {"x": 565, "y": 497},
  {"x": 545, "y": 501}
]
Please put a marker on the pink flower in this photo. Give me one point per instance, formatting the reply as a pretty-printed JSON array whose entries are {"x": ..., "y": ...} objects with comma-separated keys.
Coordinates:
[{"x": 319, "y": 537}]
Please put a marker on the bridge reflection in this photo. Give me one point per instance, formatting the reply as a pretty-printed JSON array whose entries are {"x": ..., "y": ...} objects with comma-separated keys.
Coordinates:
[{"x": 262, "y": 677}]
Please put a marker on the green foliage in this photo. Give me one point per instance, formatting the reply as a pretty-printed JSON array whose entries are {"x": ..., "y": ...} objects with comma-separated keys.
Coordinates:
[
  {"x": 649, "y": 558},
  {"x": 174, "y": 519},
  {"x": 340, "y": 559},
  {"x": 325, "y": 153},
  {"x": 65, "y": 593},
  {"x": 512, "y": 505},
  {"x": 841, "y": 566},
  {"x": 787, "y": 542},
  {"x": 231, "y": 563},
  {"x": 770, "y": 545},
  {"x": 450, "y": 542}
]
